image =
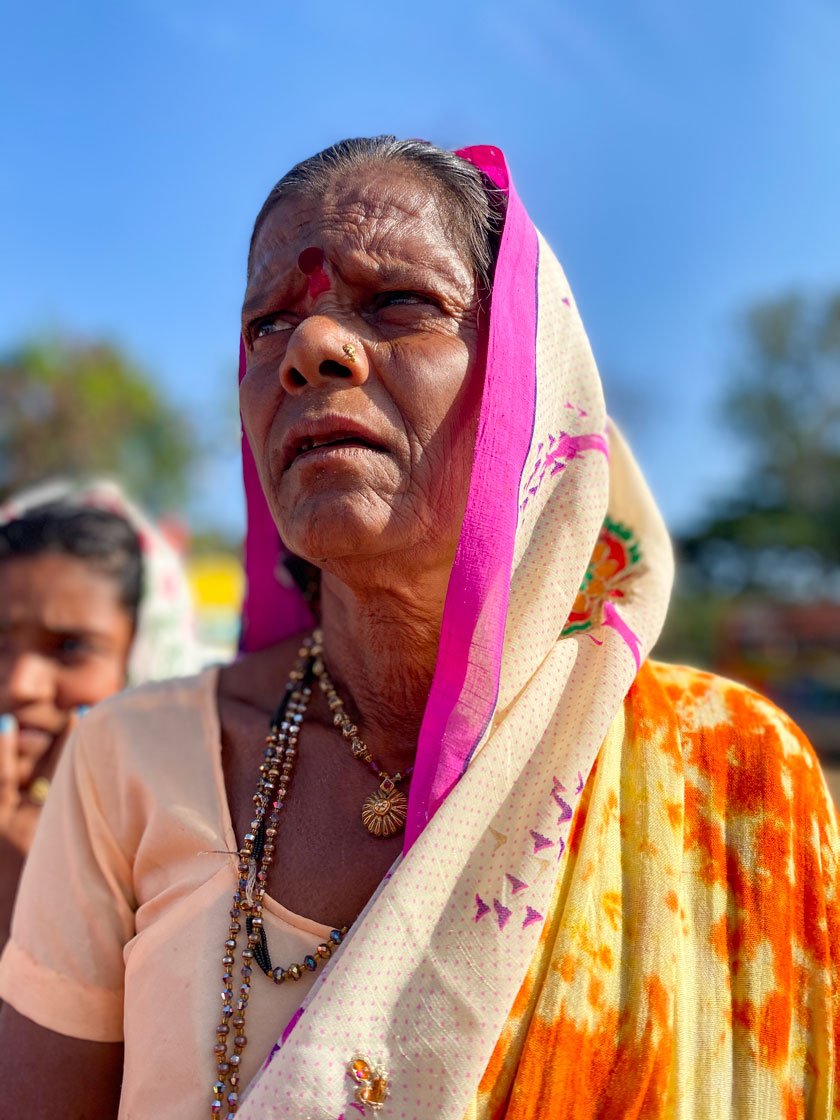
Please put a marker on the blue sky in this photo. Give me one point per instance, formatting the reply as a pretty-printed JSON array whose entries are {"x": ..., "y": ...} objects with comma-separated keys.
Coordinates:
[{"x": 683, "y": 161}]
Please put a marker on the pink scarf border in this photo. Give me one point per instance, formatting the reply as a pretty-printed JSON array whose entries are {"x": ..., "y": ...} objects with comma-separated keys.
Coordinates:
[
  {"x": 466, "y": 680},
  {"x": 271, "y": 610}
]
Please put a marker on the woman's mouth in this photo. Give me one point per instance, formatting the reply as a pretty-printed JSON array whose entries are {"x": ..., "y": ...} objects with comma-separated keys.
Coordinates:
[
  {"x": 328, "y": 439},
  {"x": 330, "y": 448}
]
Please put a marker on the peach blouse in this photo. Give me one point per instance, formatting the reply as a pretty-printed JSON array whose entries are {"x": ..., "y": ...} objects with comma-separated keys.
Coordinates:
[{"x": 123, "y": 907}]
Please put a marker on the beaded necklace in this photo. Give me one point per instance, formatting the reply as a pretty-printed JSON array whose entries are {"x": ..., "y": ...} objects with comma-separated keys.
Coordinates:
[
  {"x": 255, "y": 857},
  {"x": 385, "y": 810},
  {"x": 383, "y": 814}
]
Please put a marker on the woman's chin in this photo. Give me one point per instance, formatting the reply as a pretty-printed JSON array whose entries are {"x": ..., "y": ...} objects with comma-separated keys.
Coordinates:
[{"x": 334, "y": 527}]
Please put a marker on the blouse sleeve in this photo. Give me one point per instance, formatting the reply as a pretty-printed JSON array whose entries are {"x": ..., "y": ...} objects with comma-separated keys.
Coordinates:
[{"x": 63, "y": 966}]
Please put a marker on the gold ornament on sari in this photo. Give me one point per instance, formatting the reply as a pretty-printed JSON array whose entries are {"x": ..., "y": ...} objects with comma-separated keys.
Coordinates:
[{"x": 371, "y": 1081}]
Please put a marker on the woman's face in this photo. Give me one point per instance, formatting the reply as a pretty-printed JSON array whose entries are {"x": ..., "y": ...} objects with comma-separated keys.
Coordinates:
[
  {"x": 363, "y": 376},
  {"x": 64, "y": 642}
]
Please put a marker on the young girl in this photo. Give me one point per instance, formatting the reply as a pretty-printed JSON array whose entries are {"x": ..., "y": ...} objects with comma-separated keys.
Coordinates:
[{"x": 91, "y": 598}]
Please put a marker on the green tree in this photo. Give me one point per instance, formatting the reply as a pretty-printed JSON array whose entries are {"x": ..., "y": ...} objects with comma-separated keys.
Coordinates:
[
  {"x": 83, "y": 408},
  {"x": 783, "y": 403}
]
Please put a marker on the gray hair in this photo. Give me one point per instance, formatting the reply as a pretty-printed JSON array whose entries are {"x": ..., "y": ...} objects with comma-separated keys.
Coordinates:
[{"x": 472, "y": 205}]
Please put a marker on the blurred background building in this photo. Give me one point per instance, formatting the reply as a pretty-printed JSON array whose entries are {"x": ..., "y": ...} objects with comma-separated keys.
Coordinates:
[{"x": 682, "y": 160}]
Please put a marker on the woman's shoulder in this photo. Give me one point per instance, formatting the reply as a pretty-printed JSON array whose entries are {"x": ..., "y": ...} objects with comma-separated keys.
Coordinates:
[
  {"x": 707, "y": 703},
  {"x": 151, "y": 721},
  {"x": 148, "y": 755},
  {"x": 171, "y": 694},
  {"x": 741, "y": 754}
]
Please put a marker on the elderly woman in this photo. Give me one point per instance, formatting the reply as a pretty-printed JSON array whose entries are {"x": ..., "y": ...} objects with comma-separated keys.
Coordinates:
[{"x": 488, "y": 861}]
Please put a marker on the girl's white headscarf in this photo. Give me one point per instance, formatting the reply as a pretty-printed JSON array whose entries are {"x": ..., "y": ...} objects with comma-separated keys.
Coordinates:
[{"x": 165, "y": 643}]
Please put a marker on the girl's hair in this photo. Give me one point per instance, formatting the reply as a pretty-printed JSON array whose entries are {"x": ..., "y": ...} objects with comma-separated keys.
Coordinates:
[
  {"x": 103, "y": 540},
  {"x": 472, "y": 206}
]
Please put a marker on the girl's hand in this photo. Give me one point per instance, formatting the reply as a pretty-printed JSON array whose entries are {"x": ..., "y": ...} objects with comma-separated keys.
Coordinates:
[{"x": 9, "y": 792}]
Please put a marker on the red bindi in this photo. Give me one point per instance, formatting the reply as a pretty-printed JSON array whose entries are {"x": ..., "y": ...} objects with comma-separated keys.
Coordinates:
[{"x": 311, "y": 264}]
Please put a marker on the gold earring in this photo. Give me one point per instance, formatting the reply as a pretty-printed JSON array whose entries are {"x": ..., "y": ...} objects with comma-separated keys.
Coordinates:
[{"x": 349, "y": 351}]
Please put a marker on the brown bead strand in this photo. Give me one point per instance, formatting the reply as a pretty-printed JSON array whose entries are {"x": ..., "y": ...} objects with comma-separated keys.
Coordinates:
[{"x": 272, "y": 790}]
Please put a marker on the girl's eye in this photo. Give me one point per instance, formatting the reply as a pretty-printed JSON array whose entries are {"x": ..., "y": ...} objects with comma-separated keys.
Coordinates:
[{"x": 71, "y": 646}]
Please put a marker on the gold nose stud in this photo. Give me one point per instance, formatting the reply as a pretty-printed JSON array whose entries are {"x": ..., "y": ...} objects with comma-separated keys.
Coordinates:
[{"x": 349, "y": 351}]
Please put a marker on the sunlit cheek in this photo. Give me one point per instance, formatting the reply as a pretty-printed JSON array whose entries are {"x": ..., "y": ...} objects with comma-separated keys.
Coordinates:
[
  {"x": 455, "y": 443},
  {"x": 445, "y": 403},
  {"x": 441, "y": 471}
]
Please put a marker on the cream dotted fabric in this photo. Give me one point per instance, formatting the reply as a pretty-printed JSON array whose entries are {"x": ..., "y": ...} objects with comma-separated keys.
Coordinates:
[{"x": 426, "y": 980}]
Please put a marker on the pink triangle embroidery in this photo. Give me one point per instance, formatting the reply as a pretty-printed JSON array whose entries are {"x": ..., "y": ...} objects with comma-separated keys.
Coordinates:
[
  {"x": 540, "y": 841},
  {"x": 481, "y": 908},
  {"x": 565, "y": 810},
  {"x": 516, "y": 884},
  {"x": 531, "y": 916},
  {"x": 502, "y": 913}
]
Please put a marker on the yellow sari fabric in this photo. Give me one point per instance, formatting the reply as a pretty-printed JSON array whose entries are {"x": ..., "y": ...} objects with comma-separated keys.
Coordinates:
[{"x": 689, "y": 967}]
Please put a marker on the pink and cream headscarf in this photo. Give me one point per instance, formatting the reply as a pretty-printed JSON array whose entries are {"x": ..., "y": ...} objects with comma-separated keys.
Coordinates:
[{"x": 557, "y": 593}]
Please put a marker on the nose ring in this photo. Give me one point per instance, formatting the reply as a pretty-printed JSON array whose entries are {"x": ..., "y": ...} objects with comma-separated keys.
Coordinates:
[{"x": 349, "y": 351}]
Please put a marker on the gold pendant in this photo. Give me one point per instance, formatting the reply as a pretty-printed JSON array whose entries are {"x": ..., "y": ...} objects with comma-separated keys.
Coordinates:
[{"x": 384, "y": 812}]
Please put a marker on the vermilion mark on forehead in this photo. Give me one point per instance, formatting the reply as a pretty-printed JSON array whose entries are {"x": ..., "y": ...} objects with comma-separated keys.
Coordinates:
[{"x": 311, "y": 264}]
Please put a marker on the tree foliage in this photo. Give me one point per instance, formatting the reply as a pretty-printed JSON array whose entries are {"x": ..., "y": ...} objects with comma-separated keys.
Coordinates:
[
  {"x": 785, "y": 402},
  {"x": 781, "y": 531},
  {"x": 83, "y": 408}
]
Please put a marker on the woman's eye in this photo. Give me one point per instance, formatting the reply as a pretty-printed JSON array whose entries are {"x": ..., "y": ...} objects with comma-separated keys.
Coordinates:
[
  {"x": 271, "y": 325},
  {"x": 398, "y": 299}
]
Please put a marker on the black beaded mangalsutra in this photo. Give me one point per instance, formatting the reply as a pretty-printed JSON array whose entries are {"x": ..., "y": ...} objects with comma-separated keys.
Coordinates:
[{"x": 293, "y": 971}]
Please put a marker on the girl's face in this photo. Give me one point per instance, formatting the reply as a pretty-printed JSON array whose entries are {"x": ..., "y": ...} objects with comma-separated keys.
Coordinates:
[{"x": 64, "y": 642}]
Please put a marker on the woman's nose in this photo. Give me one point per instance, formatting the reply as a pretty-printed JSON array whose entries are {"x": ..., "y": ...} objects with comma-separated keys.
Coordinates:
[{"x": 322, "y": 352}]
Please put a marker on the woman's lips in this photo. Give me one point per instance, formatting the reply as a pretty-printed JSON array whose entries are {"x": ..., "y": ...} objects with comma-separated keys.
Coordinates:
[
  {"x": 327, "y": 436},
  {"x": 350, "y": 447}
]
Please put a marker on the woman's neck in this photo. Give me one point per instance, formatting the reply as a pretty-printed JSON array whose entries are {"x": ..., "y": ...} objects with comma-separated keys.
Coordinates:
[{"x": 380, "y": 647}]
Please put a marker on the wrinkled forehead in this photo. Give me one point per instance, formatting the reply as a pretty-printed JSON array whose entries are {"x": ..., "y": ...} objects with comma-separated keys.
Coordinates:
[{"x": 385, "y": 216}]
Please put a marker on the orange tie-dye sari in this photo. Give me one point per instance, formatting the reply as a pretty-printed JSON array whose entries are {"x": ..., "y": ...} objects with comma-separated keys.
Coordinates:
[{"x": 690, "y": 964}]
